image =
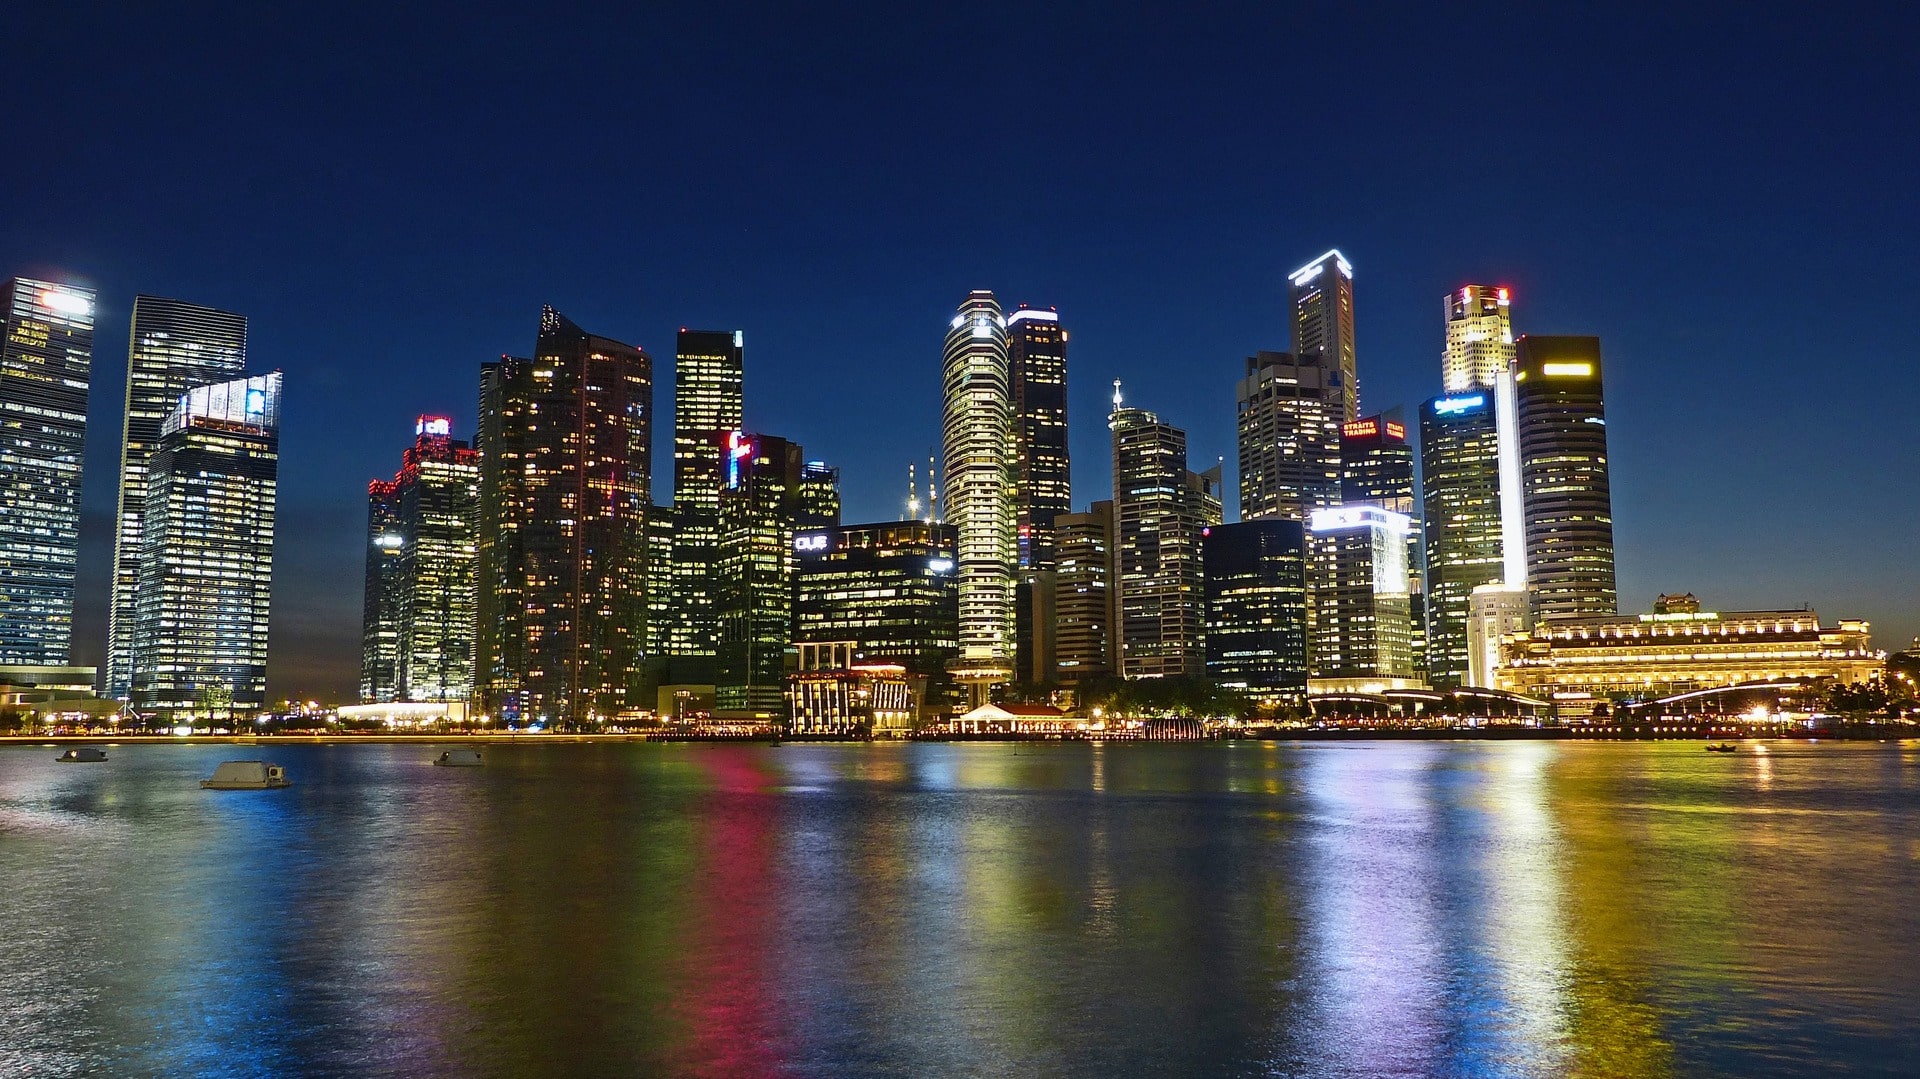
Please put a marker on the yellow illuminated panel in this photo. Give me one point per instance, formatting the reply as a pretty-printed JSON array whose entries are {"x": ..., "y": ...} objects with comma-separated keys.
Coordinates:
[{"x": 1567, "y": 370}]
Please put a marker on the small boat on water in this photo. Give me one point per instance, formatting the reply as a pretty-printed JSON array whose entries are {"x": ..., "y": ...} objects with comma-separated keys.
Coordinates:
[
  {"x": 82, "y": 755},
  {"x": 247, "y": 776},
  {"x": 459, "y": 758},
  {"x": 1722, "y": 747}
]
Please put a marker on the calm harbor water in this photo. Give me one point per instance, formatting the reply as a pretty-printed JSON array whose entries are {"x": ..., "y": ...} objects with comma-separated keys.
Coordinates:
[{"x": 1365, "y": 909}]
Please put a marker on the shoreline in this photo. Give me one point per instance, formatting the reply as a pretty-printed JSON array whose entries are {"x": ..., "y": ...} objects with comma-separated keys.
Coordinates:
[{"x": 1851, "y": 733}]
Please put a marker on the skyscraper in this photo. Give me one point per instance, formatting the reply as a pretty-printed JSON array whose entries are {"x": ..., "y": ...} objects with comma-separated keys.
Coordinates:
[
  {"x": 418, "y": 629},
  {"x": 1376, "y": 469},
  {"x": 1086, "y": 630},
  {"x": 380, "y": 606},
  {"x": 1562, "y": 441},
  {"x": 1161, "y": 511},
  {"x": 977, "y": 442},
  {"x": 1321, "y": 299},
  {"x": 708, "y": 378},
  {"x": 760, "y": 506},
  {"x": 1460, "y": 479},
  {"x": 1037, "y": 362},
  {"x": 46, "y": 360},
  {"x": 1257, "y": 607},
  {"x": 887, "y": 587},
  {"x": 206, "y": 559},
  {"x": 1289, "y": 438},
  {"x": 173, "y": 347},
  {"x": 566, "y": 443},
  {"x": 1479, "y": 338},
  {"x": 1359, "y": 621}
]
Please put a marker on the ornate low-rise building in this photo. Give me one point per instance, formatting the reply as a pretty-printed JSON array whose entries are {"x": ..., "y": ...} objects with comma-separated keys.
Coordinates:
[{"x": 1607, "y": 657}]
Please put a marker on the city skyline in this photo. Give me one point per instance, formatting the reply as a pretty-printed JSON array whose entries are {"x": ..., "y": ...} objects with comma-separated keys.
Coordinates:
[{"x": 378, "y": 312}]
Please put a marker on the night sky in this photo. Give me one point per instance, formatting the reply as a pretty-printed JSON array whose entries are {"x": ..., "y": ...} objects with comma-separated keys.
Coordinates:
[{"x": 1727, "y": 201}]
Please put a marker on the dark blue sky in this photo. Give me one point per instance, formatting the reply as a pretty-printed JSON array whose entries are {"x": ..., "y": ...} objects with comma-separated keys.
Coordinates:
[{"x": 1727, "y": 199}]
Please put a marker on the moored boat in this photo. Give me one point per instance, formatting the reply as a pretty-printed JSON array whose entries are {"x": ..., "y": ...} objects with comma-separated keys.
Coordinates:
[
  {"x": 82, "y": 755},
  {"x": 247, "y": 776},
  {"x": 1721, "y": 747}
]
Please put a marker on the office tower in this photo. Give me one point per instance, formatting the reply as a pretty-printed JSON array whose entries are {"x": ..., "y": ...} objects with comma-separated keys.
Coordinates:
[
  {"x": 1460, "y": 480},
  {"x": 1479, "y": 338},
  {"x": 206, "y": 558},
  {"x": 760, "y": 503},
  {"x": 1321, "y": 299},
  {"x": 662, "y": 525},
  {"x": 417, "y": 636},
  {"x": 380, "y": 606},
  {"x": 888, "y": 587},
  {"x": 173, "y": 347},
  {"x": 565, "y": 442},
  {"x": 1376, "y": 469},
  {"x": 1561, "y": 419},
  {"x": 1086, "y": 632},
  {"x": 817, "y": 499},
  {"x": 1035, "y": 641},
  {"x": 708, "y": 377},
  {"x": 45, "y": 363},
  {"x": 1359, "y": 628},
  {"x": 1037, "y": 364},
  {"x": 1161, "y": 511},
  {"x": 1288, "y": 423},
  {"x": 978, "y": 445},
  {"x": 1257, "y": 608}
]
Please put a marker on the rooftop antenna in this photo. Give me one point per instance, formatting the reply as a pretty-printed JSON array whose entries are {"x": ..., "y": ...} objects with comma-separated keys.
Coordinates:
[
  {"x": 1116, "y": 395},
  {"x": 933, "y": 492},
  {"x": 913, "y": 496}
]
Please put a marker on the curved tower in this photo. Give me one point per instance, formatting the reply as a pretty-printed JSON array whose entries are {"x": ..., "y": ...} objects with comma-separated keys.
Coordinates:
[{"x": 977, "y": 441}]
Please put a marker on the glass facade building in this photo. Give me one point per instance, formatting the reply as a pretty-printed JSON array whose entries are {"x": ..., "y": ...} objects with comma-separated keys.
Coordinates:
[
  {"x": 421, "y": 556},
  {"x": 890, "y": 588},
  {"x": 1288, "y": 428},
  {"x": 1567, "y": 502},
  {"x": 1043, "y": 484},
  {"x": 1359, "y": 622},
  {"x": 206, "y": 559},
  {"x": 753, "y": 588},
  {"x": 977, "y": 440},
  {"x": 1321, "y": 299},
  {"x": 173, "y": 347},
  {"x": 1161, "y": 510},
  {"x": 566, "y": 465},
  {"x": 1086, "y": 628},
  {"x": 46, "y": 362},
  {"x": 708, "y": 385},
  {"x": 1257, "y": 607},
  {"x": 1460, "y": 482}
]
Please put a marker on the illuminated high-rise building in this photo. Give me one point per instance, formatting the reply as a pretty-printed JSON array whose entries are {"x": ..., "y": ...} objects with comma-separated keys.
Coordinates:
[
  {"x": 380, "y": 606},
  {"x": 173, "y": 347},
  {"x": 1288, "y": 424},
  {"x": 1359, "y": 623},
  {"x": 708, "y": 377},
  {"x": 206, "y": 559},
  {"x": 890, "y": 589},
  {"x": 1376, "y": 469},
  {"x": 1460, "y": 480},
  {"x": 46, "y": 359},
  {"x": 566, "y": 443},
  {"x": 1321, "y": 299},
  {"x": 978, "y": 446},
  {"x": 1161, "y": 512},
  {"x": 1479, "y": 338},
  {"x": 1086, "y": 642},
  {"x": 1561, "y": 419},
  {"x": 760, "y": 507},
  {"x": 421, "y": 572},
  {"x": 1257, "y": 607},
  {"x": 1037, "y": 364}
]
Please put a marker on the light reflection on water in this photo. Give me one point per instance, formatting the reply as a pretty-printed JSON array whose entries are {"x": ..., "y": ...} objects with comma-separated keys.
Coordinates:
[{"x": 1235, "y": 909}]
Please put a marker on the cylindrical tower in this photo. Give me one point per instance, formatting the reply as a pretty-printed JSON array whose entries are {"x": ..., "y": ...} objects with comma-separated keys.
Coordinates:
[{"x": 977, "y": 442}]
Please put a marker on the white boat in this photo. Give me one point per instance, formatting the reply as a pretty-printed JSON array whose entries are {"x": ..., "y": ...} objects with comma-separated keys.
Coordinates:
[
  {"x": 82, "y": 755},
  {"x": 247, "y": 776},
  {"x": 459, "y": 758}
]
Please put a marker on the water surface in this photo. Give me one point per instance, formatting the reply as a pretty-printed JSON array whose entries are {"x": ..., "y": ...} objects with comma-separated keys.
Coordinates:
[{"x": 1365, "y": 909}]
